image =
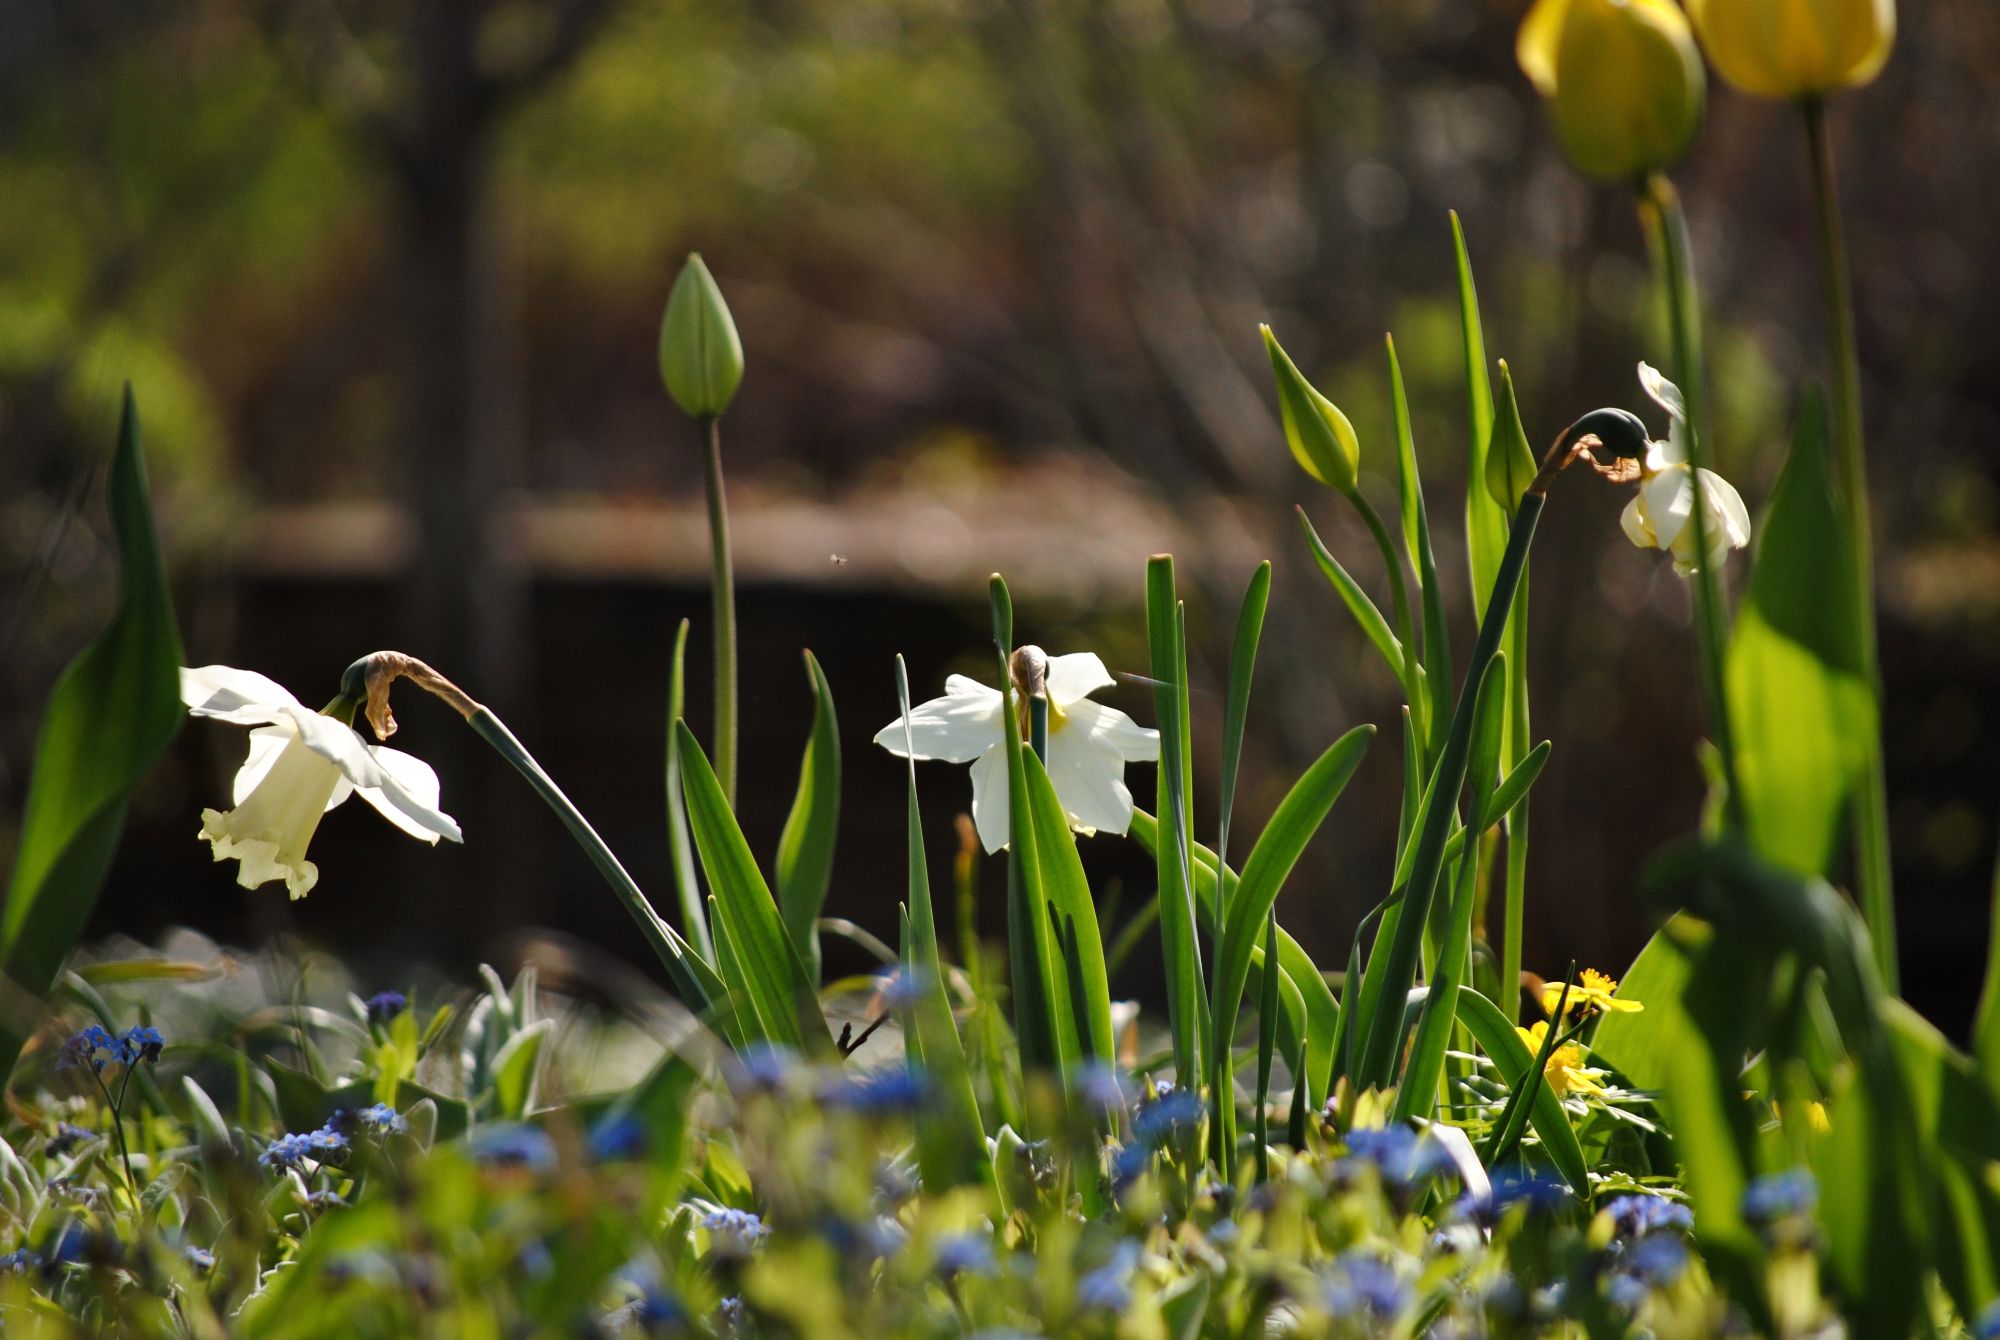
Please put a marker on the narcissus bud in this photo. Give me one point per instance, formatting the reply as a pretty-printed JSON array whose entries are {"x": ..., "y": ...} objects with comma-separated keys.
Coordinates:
[
  {"x": 1320, "y": 436},
  {"x": 701, "y": 358},
  {"x": 1795, "y": 48},
  {"x": 1623, "y": 79}
]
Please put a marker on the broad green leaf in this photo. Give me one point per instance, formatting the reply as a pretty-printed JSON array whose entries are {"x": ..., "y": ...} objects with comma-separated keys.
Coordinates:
[
  {"x": 1636, "y": 1043},
  {"x": 1510, "y": 461},
  {"x": 1799, "y": 698},
  {"x": 1986, "y": 1025},
  {"x": 516, "y": 1067},
  {"x": 680, "y": 847},
  {"x": 1071, "y": 912},
  {"x": 1373, "y": 625},
  {"x": 1497, "y": 1038},
  {"x": 1485, "y": 523},
  {"x": 805, "y": 849},
  {"x": 1278, "y": 849},
  {"x": 304, "y": 1103},
  {"x": 661, "y": 1102},
  {"x": 111, "y": 715},
  {"x": 774, "y": 977}
]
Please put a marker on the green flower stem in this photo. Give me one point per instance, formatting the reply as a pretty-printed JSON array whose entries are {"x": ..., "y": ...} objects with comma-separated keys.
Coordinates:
[
  {"x": 676, "y": 954},
  {"x": 1038, "y": 726},
  {"x": 1660, "y": 209},
  {"x": 1871, "y": 803},
  {"x": 1378, "y": 1057},
  {"x": 723, "y": 593}
]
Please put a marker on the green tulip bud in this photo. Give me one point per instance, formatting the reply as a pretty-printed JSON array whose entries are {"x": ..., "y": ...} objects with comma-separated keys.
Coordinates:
[
  {"x": 1510, "y": 461},
  {"x": 1623, "y": 79},
  {"x": 1795, "y": 48},
  {"x": 1319, "y": 435},
  {"x": 701, "y": 358}
]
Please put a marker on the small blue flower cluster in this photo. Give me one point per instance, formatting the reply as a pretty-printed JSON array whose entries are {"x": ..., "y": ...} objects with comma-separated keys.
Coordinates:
[
  {"x": 734, "y": 1234},
  {"x": 325, "y": 1145},
  {"x": 1109, "y": 1287},
  {"x": 1637, "y": 1215},
  {"x": 964, "y": 1254},
  {"x": 386, "y": 1005},
  {"x": 66, "y": 1138},
  {"x": 1650, "y": 1253},
  {"x": 1403, "y": 1158},
  {"x": 20, "y": 1261},
  {"x": 616, "y": 1137},
  {"x": 1780, "y": 1196},
  {"x": 763, "y": 1068},
  {"x": 128, "y": 1048},
  {"x": 879, "y": 1094},
  {"x": 513, "y": 1144},
  {"x": 1175, "y": 1113},
  {"x": 1364, "y": 1283},
  {"x": 1988, "y": 1326}
]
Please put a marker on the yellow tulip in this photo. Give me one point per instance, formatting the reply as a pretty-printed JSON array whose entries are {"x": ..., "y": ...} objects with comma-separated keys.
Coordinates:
[
  {"x": 1623, "y": 79},
  {"x": 1795, "y": 48}
]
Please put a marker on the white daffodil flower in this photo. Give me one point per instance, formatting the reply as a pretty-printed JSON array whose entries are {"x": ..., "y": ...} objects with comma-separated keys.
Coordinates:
[
  {"x": 1089, "y": 746},
  {"x": 1662, "y": 515},
  {"x": 302, "y": 763}
]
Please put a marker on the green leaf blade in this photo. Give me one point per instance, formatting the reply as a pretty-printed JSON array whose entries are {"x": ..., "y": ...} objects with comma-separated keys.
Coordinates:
[{"x": 804, "y": 866}]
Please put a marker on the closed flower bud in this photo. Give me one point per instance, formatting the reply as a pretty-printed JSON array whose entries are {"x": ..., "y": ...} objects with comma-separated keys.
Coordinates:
[
  {"x": 1320, "y": 436},
  {"x": 1795, "y": 48},
  {"x": 701, "y": 358},
  {"x": 1623, "y": 79}
]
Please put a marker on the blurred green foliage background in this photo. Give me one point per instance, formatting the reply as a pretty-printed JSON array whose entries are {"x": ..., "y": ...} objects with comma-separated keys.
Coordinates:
[{"x": 386, "y": 277}]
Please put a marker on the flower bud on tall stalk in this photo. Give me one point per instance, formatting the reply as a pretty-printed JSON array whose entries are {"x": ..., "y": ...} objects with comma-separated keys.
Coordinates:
[
  {"x": 1623, "y": 80},
  {"x": 701, "y": 363},
  {"x": 1795, "y": 49}
]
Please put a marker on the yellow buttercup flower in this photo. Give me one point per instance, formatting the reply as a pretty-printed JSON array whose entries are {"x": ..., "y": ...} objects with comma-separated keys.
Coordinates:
[
  {"x": 1623, "y": 79},
  {"x": 1592, "y": 991},
  {"x": 1565, "y": 1072},
  {"x": 1795, "y": 48}
]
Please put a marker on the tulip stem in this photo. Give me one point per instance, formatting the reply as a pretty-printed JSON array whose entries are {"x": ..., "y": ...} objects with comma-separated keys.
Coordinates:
[
  {"x": 723, "y": 594},
  {"x": 1660, "y": 209},
  {"x": 1870, "y": 801}
]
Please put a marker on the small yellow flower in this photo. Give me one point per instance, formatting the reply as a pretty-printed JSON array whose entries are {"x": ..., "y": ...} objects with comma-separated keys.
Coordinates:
[
  {"x": 1817, "y": 1120},
  {"x": 1565, "y": 1072},
  {"x": 1795, "y": 48},
  {"x": 1592, "y": 991}
]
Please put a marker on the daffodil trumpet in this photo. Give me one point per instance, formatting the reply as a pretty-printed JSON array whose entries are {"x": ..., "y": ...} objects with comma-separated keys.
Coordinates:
[
  {"x": 366, "y": 685},
  {"x": 1620, "y": 434}
]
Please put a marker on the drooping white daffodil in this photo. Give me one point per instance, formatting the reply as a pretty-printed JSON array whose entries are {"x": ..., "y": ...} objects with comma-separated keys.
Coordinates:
[
  {"x": 302, "y": 763},
  {"x": 1662, "y": 515},
  {"x": 1089, "y": 746}
]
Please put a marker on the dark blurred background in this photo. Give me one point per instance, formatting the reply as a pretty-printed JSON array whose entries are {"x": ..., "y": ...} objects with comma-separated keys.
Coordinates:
[{"x": 387, "y": 278}]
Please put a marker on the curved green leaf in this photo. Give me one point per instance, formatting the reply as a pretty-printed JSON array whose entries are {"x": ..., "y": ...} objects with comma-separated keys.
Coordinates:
[
  {"x": 805, "y": 849},
  {"x": 1373, "y": 625},
  {"x": 111, "y": 715}
]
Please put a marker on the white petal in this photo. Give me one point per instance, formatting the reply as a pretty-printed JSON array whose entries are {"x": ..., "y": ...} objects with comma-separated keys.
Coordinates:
[
  {"x": 1664, "y": 393},
  {"x": 989, "y": 798},
  {"x": 228, "y": 694},
  {"x": 410, "y": 800},
  {"x": 1134, "y": 743},
  {"x": 1089, "y": 777},
  {"x": 1668, "y": 498},
  {"x": 956, "y": 728},
  {"x": 1633, "y": 519},
  {"x": 266, "y": 743},
  {"x": 1074, "y": 677},
  {"x": 1725, "y": 506}
]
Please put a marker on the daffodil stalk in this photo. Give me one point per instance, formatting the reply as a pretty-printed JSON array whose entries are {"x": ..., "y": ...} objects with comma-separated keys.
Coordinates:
[
  {"x": 1666, "y": 224},
  {"x": 367, "y": 682},
  {"x": 1870, "y": 803},
  {"x": 1625, "y": 437}
]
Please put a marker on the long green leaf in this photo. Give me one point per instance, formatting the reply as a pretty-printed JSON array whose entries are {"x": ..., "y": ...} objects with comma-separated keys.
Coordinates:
[
  {"x": 1418, "y": 1092},
  {"x": 111, "y": 715},
  {"x": 774, "y": 977},
  {"x": 1173, "y": 857},
  {"x": 1072, "y": 913},
  {"x": 1799, "y": 696},
  {"x": 1242, "y": 669},
  {"x": 680, "y": 846},
  {"x": 1485, "y": 523},
  {"x": 1278, "y": 849},
  {"x": 1497, "y": 1038},
  {"x": 1417, "y": 536},
  {"x": 1986, "y": 1025},
  {"x": 805, "y": 848},
  {"x": 1318, "y": 1027},
  {"x": 1373, "y": 625}
]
